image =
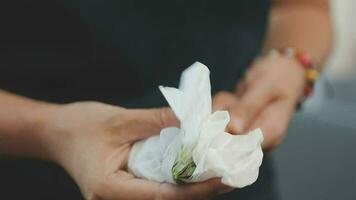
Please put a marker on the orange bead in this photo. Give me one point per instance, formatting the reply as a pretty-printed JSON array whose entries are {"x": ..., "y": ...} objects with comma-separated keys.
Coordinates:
[{"x": 312, "y": 75}]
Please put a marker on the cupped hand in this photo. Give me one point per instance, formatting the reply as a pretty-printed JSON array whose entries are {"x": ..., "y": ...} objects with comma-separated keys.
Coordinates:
[
  {"x": 92, "y": 142},
  {"x": 265, "y": 99}
]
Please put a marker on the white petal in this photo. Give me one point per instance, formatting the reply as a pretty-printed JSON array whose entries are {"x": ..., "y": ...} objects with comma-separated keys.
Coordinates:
[{"x": 174, "y": 99}]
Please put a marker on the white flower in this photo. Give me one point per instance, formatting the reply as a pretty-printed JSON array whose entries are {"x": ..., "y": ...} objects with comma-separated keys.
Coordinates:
[{"x": 200, "y": 149}]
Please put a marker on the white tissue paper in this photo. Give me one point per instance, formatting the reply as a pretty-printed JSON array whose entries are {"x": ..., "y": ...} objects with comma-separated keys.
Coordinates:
[{"x": 200, "y": 149}]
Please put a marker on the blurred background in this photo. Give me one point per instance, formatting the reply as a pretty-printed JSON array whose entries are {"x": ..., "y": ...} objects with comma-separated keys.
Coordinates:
[{"x": 317, "y": 159}]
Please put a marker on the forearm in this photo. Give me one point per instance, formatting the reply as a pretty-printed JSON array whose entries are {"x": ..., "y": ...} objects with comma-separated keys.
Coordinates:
[
  {"x": 20, "y": 124},
  {"x": 304, "y": 25}
]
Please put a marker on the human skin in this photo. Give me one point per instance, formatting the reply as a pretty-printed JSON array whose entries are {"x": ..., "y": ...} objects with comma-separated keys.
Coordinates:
[
  {"x": 267, "y": 96},
  {"x": 92, "y": 141}
]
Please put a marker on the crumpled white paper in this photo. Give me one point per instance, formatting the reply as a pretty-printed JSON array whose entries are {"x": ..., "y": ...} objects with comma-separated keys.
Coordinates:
[{"x": 201, "y": 139}]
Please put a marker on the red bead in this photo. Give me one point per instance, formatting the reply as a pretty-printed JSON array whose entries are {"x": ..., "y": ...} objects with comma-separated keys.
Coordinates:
[
  {"x": 305, "y": 60},
  {"x": 308, "y": 91}
]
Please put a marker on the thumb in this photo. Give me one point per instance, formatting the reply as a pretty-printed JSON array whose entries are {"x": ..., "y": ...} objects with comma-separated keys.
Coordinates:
[
  {"x": 148, "y": 122},
  {"x": 251, "y": 103}
]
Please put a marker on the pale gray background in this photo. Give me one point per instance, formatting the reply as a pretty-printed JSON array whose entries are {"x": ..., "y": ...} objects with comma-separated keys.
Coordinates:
[{"x": 318, "y": 159}]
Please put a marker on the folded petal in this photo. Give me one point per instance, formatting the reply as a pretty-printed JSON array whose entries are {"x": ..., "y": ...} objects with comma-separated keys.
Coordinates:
[{"x": 200, "y": 149}]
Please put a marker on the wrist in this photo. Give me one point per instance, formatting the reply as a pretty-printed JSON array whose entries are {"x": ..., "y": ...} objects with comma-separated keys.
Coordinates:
[
  {"x": 42, "y": 141},
  {"x": 304, "y": 62}
]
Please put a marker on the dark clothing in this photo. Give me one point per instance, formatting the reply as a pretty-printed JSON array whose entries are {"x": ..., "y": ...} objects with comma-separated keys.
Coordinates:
[{"x": 118, "y": 52}]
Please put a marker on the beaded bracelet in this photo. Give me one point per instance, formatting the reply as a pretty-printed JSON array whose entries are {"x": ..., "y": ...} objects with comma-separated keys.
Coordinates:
[{"x": 311, "y": 70}]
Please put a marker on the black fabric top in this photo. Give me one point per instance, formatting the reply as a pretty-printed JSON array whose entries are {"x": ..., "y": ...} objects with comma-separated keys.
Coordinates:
[{"x": 119, "y": 51}]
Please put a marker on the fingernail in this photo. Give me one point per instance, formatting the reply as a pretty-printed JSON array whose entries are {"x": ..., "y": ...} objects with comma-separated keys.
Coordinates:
[{"x": 238, "y": 124}]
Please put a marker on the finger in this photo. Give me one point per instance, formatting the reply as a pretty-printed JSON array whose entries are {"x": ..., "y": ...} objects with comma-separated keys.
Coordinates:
[
  {"x": 251, "y": 103},
  {"x": 122, "y": 185},
  {"x": 223, "y": 101},
  {"x": 274, "y": 121},
  {"x": 240, "y": 88},
  {"x": 202, "y": 190},
  {"x": 147, "y": 122}
]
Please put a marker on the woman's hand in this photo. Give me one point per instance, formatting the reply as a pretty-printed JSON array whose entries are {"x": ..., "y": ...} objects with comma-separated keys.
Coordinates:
[
  {"x": 266, "y": 99},
  {"x": 92, "y": 142}
]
